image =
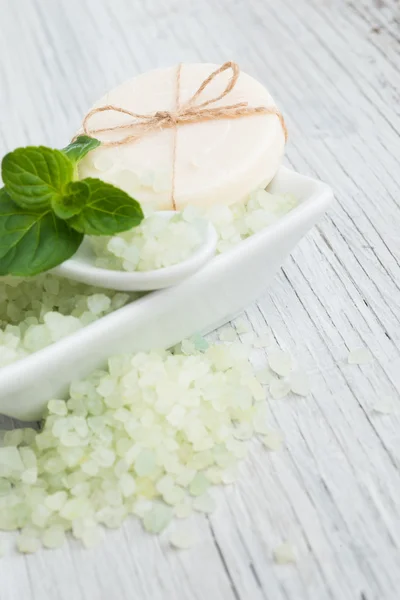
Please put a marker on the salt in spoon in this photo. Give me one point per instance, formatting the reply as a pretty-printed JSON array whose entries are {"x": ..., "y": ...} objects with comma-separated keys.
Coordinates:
[{"x": 81, "y": 267}]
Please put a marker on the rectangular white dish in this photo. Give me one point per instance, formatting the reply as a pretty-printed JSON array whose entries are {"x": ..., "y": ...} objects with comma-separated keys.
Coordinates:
[{"x": 161, "y": 319}]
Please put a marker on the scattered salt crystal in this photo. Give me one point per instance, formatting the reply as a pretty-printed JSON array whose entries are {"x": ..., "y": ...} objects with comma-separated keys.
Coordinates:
[
  {"x": 185, "y": 477},
  {"x": 272, "y": 440},
  {"x": 174, "y": 495},
  {"x": 53, "y": 537},
  {"x": 145, "y": 463},
  {"x": 300, "y": 383},
  {"x": 5, "y": 487},
  {"x": 279, "y": 388},
  {"x": 280, "y": 362},
  {"x": 127, "y": 485},
  {"x": 10, "y": 461},
  {"x": 98, "y": 303},
  {"x": 57, "y": 407},
  {"x": 92, "y": 536},
  {"x": 256, "y": 388},
  {"x": 13, "y": 437},
  {"x": 200, "y": 343},
  {"x": 141, "y": 507},
  {"x": 199, "y": 484},
  {"x": 360, "y": 356},
  {"x": 29, "y": 435},
  {"x": 29, "y": 476},
  {"x": 188, "y": 347},
  {"x": 243, "y": 431},
  {"x": 264, "y": 376},
  {"x": 227, "y": 335},
  {"x": 230, "y": 475},
  {"x": 165, "y": 484},
  {"x": 248, "y": 338},
  {"x": 73, "y": 509},
  {"x": 284, "y": 554},
  {"x": 241, "y": 326},
  {"x": 27, "y": 544},
  {"x": 191, "y": 213},
  {"x": 204, "y": 503},
  {"x": 384, "y": 408},
  {"x": 263, "y": 341},
  {"x": 182, "y": 539},
  {"x": 117, "y": 246},
  {"x": 70, "y": 439},
  {"x": 56, "y": 501},
  {"x": 149, "y": 436},
  {"x": 184, "y": 509},
  {"x": 157, "y": 518}
]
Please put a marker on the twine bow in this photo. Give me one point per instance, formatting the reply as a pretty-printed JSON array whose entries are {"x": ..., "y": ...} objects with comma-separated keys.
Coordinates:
[{"x": 189, "y": 112}]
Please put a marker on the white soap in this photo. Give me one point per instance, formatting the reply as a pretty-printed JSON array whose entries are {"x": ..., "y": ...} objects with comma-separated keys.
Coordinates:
[{"x": 216, "y": 162}]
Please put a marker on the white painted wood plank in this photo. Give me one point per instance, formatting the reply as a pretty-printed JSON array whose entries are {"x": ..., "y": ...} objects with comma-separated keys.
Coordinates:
[{"x": 334, "y": 488}]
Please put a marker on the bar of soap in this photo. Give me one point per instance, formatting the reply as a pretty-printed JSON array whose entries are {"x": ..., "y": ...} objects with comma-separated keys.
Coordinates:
[{"x": 216, "y": 162}]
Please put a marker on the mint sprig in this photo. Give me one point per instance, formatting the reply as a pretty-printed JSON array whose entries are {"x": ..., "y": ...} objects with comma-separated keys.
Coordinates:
[
  {"x": 78, "y": 149},
  {"x": 106, "y": 210},
  {"x": 35, "y": 175},
  {"x": 45, "y": 213},
  {"x": 32, "y": 242}
]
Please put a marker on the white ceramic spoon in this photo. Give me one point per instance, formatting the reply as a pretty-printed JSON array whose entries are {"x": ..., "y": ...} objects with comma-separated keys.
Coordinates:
[{"x": 81, "y": 267}]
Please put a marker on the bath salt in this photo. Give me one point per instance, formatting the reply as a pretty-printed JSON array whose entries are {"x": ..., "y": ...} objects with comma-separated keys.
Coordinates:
[
  {"x": 279, "y": 389},
  {"x": 182, "y": 539},
  {"x": 215, "y": 162},
  {"x": 157, "y": 518},
  {"x": 263, "y": 341},
  {"x": 280, "y": 362},
  {"x": 360, "y": 356},
  {"x": 155, "y": 244},
  {"x": 41, "y": 310},
  {"x": 158, "y": 243},
  {"x": 300, "y": 383},
  {"x": 272, "y": 440},
  {"x": 53, "y": 537},
  {"x": 204, "y": 504},
  {"x": 228, "y": 335},
  {"x": 242, "y": 326},
  {"x": 99, "y": 303},
  {"x": 27, "y": 544},
  {"x": 284, "y": 554},
  {"x": 47, "y": 308},
  {"x": 154, "y": 455},
  {"x": 265, "y": 375}
]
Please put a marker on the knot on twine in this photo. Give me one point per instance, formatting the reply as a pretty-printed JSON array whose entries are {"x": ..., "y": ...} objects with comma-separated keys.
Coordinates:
[
  {"x": 189, "y": 112},
  {"x": 169, "y": 119}
]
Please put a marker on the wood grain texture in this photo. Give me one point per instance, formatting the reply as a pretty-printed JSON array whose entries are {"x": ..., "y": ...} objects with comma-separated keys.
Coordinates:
[{"x": 334, "y": 490}]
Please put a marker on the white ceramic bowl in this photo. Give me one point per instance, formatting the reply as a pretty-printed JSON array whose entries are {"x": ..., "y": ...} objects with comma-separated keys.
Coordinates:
[{"x": 161, "y": 319}]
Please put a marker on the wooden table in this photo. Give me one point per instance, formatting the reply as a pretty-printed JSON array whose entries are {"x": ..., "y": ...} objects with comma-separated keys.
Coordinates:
[{"x": 334, "y": 490}]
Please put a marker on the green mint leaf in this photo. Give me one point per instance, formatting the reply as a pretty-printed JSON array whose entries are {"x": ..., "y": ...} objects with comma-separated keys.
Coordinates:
[
  {"x": 35, "y": 175},
  {"x": 76, "y": 195},
  {"x": 108, "y": 210},
  {"x": 77, "y": 149},
  {"x": 32, "y": 242}
]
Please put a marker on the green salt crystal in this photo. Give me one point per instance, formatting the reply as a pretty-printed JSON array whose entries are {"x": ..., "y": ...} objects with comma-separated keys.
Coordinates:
[
  {"x": 204, "y": 503},
  {"x": 200, "y": 343},
  {"x": 199, "y": 484},
  {"x": 157, "y": 518}
]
